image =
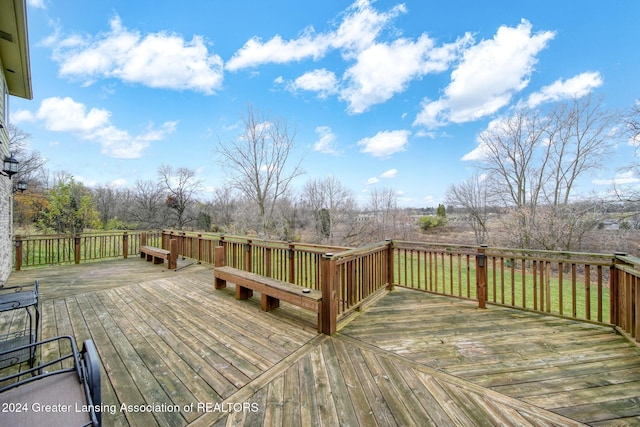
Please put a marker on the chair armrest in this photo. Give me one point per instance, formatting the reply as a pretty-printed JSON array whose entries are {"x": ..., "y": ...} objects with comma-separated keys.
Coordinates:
[{"x": 21, "y": 288}]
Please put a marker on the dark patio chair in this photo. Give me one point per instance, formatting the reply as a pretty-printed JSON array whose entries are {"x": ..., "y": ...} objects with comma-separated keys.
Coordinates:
[
  {"x": 16, "y": 298},
  {"x": 64, "y": 391}
]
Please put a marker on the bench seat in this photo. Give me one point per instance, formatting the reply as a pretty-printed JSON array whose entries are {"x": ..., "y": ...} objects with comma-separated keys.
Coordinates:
[
  {"x": 158, "y": 255},
  {"x": 271, "y": 290}
]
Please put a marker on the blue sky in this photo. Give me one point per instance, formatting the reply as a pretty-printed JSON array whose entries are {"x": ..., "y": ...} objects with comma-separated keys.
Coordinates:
[{"x": 380, "y": 93}]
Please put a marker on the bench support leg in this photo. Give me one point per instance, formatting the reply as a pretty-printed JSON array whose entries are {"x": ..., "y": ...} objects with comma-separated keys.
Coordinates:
[
  {"x": 158, "y": 260},
  {"x": 268, "y": 303},
  {"x": 243, "y": 293},
  {"x": 219, "y": 283}
]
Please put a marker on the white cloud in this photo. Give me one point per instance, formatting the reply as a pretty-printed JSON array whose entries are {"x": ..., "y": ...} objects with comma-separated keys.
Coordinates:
[
  {"x": 488, "y": 76},
  {"x": 118, "y": 183},
  {"x": 478, "y": 154},
  {"x": 620, "y": 179},
  {"x": 372, "y": 180},
  {"x": 158, "y": 60},
  {"x": 358, "y": 29},
  {"x": 120, "y": 144},
  {"x": 391, "y": 173},
  {"x": 327, "y": 142},
  {"x": 256, "y": 52},
  {"x": 481, "y": 152},
  {"x": 380, "y": 69},
  {"x": 68, "y": 115},
  {"x": 22, "y": 116},
  {"x": 36, "y": 4},
  {"x": 385, "y": 143},
  {"x": 575, "y": 87},
  {"x": 384, "y": 69},
  {"x": 322, "y": 81}
]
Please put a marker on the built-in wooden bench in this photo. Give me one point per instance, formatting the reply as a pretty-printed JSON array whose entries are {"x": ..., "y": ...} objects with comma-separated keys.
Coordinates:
[
  {"x": 158, "y": 255},
  {"x": 271, "y": 290}
]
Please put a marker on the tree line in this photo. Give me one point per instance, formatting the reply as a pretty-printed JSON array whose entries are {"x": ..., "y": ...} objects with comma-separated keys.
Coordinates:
[
  {"x": 257, "y": 198},
  {"x": 528, "y": 168},
  {"x": 531, "y": 163}
]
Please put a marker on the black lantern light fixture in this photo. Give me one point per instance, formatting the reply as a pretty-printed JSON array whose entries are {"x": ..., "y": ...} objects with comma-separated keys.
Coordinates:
[
  {"x": 20, "y": 186},
  {"x": 9, "y": 166}
]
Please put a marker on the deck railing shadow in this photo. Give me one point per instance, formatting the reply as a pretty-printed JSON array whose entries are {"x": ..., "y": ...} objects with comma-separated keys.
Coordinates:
[{"x": 599, "y": 288}]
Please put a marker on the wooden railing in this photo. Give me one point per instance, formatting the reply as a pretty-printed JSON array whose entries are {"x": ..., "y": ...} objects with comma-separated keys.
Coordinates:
[
  {"x": 42, "y": 250},
  {"x": 359, "y": 274},
  {"x": 600, "y": 288},
  {"x": 625, "y": 295}
]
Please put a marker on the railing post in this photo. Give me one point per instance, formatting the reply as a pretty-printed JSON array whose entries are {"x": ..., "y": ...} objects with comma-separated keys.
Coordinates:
[
  {"x": 329, "y": 309},
  {"x": 173, "y": 254},
  {"x": 200, "y": 251},
  {"x": 390, "y": 265},
  {"x": 614, "y": 290},
  {"x": 18, "y": 260},
  {"x": 77, "y": 245},
  {"x": 292, "y": 264},
  {"x": 248, "y": 256},
  {"x": 143, "y": 238},
  {"x": 267, "y": 261},
  {"x": 219, "y": 261},
  {"x": 481, "y": 276},
  {"x": 125, "y": 245},
  {"x": 223, "y": 242}
]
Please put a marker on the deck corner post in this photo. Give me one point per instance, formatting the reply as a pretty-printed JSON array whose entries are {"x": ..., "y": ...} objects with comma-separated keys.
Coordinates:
[
  {"x": 615, "y": 298},
  {"x": 329, "y": 307},
  {"x": 481, "y": 276},
  {"x": 292, "y": 263},
  {"x": 390, "y": 266},
  {"x": 248, "y": 256},
  {"x": 125, "y": 245},
  {"x": 77, "y": 245},
  {"x": 18, "y": 254},
  {"x": 219, "y": 261},
  {"x": 173, "y": 255}
]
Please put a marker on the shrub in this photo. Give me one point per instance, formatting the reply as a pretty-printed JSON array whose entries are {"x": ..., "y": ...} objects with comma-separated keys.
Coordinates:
[{"x": 429, "y": 221}]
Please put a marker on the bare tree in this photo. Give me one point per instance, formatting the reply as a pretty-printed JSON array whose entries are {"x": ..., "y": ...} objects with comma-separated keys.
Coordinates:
[
  {"x": 536, "y": 161},
  {"x": 224, "y": 206},
  {"x": 331, "y": 206},
  {"x": 259, "y": 164},
  {"x": 510, "y": 146},
  {"x": 148, "y": 209},
  {"x": 182, "y": 187},
  {"x": 105, "y": 199},
  {"x": 31, "y": 163},
  {"x": 28, "y": 205},
  {"x": 630, "y": 192},
  {"x": 474, "y": 196},
  {"x": 579, "y": 136},
  {"x": 383, "y": 207}
]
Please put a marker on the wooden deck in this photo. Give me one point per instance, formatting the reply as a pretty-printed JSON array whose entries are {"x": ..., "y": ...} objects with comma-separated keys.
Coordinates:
[{"x": 189, "y": 355}]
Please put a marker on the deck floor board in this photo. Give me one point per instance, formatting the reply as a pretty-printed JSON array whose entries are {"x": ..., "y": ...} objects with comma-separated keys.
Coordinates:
[{"x": 168, "y": 338}]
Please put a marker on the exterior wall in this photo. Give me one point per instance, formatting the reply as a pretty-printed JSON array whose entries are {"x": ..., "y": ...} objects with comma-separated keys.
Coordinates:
[{"x": 6, "y": 196}]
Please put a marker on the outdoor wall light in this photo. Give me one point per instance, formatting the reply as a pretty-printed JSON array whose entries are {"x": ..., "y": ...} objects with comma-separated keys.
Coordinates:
[
  {"x": 20, "y": 186},
  {"x": 9, "y": 166}
]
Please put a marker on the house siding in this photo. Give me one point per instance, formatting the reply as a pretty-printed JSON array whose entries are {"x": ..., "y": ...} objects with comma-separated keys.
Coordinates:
[{"x": 6, "y": 196}]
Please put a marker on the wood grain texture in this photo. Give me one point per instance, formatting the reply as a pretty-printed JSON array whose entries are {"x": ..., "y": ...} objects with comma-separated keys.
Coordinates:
[{"x": 168, "y": 338}]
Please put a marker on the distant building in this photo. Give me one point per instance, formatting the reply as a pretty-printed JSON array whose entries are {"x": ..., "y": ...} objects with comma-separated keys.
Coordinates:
[{"x": 15, "y": 80}]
